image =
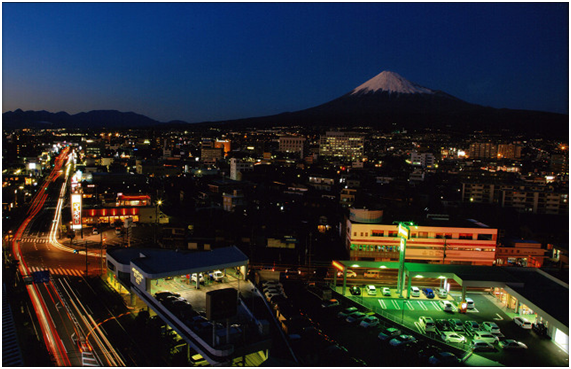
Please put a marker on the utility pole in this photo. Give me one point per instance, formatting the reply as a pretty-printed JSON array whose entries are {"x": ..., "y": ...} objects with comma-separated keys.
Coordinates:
[
  {"x": 101, "y": 242},
  {"x": 86, "y": 262}
]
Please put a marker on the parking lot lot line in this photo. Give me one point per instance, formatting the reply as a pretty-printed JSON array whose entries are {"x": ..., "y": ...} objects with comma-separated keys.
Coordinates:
[
  {"x": 395, "y": 304},
  {"x": 421, "y": 303},
  {"x": 436, "y": 306},
  {"x": 382, "y": 303},
  {"x": 409, "y": 305}
]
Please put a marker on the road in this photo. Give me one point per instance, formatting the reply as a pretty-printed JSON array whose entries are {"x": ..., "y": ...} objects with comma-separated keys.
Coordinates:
[{"x": 73, "y": 337}]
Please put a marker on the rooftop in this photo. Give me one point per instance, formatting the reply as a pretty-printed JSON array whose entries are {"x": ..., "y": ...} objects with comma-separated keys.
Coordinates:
[{"x": 159, "y": 263}]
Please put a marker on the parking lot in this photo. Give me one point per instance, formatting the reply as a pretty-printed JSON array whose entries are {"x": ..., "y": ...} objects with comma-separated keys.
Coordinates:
[{"x": 541, "y": 351}]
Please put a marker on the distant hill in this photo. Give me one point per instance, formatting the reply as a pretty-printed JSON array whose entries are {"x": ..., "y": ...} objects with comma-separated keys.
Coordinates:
[{"x": 92, "y": 119}]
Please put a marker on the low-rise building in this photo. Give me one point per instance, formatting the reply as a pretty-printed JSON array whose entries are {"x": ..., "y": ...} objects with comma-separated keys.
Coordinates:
[{"x": 467, "y": 242}]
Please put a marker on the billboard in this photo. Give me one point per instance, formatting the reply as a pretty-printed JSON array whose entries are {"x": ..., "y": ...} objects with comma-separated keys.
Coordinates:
[
  {"x": 221, "y": 303},
  {"x": 76, "y": 211}
]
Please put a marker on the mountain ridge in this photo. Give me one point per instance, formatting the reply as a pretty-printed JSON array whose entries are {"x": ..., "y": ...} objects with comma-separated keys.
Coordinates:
[{"x": 380, "y": 102}]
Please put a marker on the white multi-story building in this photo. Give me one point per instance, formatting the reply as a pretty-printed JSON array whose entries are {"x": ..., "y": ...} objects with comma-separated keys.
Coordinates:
[{"x": 470, "y": 243}]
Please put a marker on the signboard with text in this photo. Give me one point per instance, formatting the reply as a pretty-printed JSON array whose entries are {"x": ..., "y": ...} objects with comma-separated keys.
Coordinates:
[{"x": 76, "y": 211}]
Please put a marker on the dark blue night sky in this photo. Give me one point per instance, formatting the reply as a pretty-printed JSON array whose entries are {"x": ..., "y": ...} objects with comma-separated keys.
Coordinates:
[{"x": 214, "y": 61}]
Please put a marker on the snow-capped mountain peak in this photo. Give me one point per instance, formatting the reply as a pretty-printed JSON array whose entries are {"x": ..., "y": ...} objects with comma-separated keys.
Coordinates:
[{"x": 393, "y": 83}]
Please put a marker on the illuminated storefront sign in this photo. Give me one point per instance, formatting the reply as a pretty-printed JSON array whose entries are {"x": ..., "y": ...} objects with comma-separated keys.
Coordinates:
[{"x": 76, "y": 211}]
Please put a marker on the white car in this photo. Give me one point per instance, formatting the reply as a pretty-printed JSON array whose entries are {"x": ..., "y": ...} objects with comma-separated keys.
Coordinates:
[
  {"x": 452, "y": 337},
  {"x": 415, "y": 292},
  {"x": 485, "y": 336},
  {"x": 470, "y": 304},
  {"x": 200, "y": 278},
  {"x": 441, "y": 292},
  {"x": 427, "y": 323},
  {"x": 491, "y": 327},
  {"x": 478, "y": 345},
  {"x": 350, "y": 274},
  {"x": 522, "y": 322},
  {"x": 371, "y": 290},
  {"x": 512, "y": 345},
  {"x": 446, "y": 305},
  {"x": 369, "y": 322},
  {"x": 386, "y": 291},
  {"x": 218, "y": 276}
]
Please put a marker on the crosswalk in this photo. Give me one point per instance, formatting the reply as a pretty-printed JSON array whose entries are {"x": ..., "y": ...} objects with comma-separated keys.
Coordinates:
[
  {"x": 32, "y": 239},
  {"x": 59, "y": 271}
]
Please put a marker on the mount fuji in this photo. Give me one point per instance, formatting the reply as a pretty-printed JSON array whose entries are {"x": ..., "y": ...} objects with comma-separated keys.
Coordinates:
[{"x": 389, "y": 99}]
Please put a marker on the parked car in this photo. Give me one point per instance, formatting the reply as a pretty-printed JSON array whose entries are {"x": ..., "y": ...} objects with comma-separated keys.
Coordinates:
[
  {"x": 162, "y": 295},
  {"x": 442, "y": 293},
  {"x": 200, "y": 277},
  {"x": 444, "y": 359},
  {"x": 456, "y": 324},
  {"x": 470, "y": 304},
  {"x": 415, "y": 291},
  {"x": 271, "y": 294},
  {"x": 428, "y": 293},
  {"x": 522, "y": 322},
  {"x": 386, "y": 291},
  {"x": 485, "y": 336},
  {"x": 272, "y": 282},
  {"x": 402, "y": 339},
  {"x": 446, "y": 305},
  {"x": 329, "y": 303},
  {"x": 509, "y": 344},
  {"x": 389, "y": 333},
  {"x": 478, "y": 345},
  {"x": 472, "y": 325},
  {"x": 371, "y": 290},
  {"x": 452, "y": 337},
  {"x": 355, "y": 291},
  {"x": 369, "y": 322},
  {"x": 344, "y": 313},
  {"x": 356, "y": 317},
  {"x": 118, "y": 231},
  {"x": 540, "y": 329},
  {"x": 350, "y": 273},
  {"x": 427, "y": 323},
  {"x": 218, "y": 276},
  {"x": 491, "y": 327},
  {"x": 95, "y": 231},
  {"x": 443, "y": 325}
]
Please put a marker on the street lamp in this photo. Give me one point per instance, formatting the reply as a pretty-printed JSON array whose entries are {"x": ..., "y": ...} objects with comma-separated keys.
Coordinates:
[{"x": 159, "y": 203}]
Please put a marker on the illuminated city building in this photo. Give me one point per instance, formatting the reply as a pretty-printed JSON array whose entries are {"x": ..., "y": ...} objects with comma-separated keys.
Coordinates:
[
  {"x": 469, "y": 242},
  {"x": 347, "y": 145}
]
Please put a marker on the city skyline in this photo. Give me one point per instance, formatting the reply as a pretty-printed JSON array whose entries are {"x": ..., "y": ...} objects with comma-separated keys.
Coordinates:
[{"x": 207, "y": 61}]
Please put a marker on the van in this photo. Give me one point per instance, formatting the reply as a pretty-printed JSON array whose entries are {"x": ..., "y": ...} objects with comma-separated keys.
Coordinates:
[
  {"x": 371, "y": 290},
  {"x": 427, "y": 323},
  {"x": 470, "y": 303},
  {"x": 415, "y": 292},
  {"x": 373, "y": 273}
]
